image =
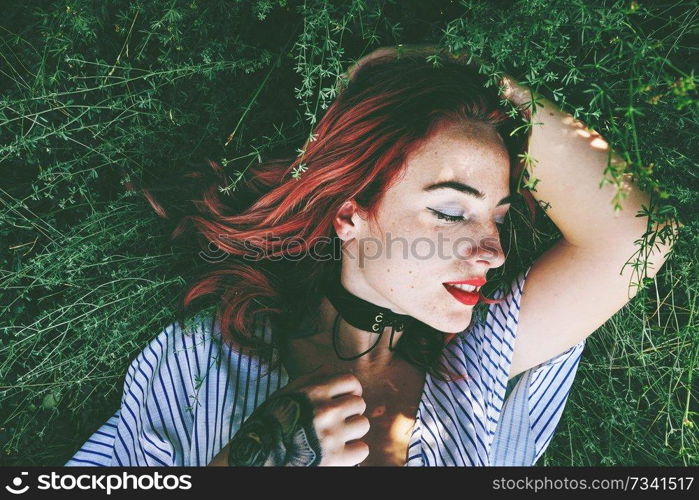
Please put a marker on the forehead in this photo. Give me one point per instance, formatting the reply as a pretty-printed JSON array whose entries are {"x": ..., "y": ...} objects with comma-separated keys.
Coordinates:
[{"x": 471, "y": 152}]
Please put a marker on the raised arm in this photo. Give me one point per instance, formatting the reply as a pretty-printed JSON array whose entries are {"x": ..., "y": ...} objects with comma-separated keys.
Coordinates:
[
  {"x": 588, "y": 275},
  {"x": 568, "y": 162}
]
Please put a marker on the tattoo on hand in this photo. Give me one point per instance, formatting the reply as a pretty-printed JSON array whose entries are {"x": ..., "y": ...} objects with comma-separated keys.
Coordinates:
[{"x": 279, "y": 432}]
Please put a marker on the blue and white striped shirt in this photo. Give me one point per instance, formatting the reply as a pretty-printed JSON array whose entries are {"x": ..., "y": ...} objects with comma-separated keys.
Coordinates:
[{"x": 187, "y": 393}]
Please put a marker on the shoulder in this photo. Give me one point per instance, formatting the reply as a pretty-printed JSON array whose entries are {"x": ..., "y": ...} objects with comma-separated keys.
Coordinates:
[
  {"x": 185, "y": 369},
  {"x": 502, "y": 317},
  {"x": 183, "y": 390},
  {"x": 495, "y": 327},
  {"x": 487, "y": 345},
  {"x": 502, "y": 321},
  {"x": 184, "y": 353},
  {"x": 165, "y": 377},
  {"x": 184, "y": 395},
  {"x": 180, "y": 349}
]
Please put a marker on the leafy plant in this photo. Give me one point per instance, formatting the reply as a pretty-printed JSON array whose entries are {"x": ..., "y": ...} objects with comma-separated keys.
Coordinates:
[{"x": 97, "y": 94}]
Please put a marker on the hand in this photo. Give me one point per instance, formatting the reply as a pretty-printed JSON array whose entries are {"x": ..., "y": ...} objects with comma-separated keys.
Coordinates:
[
  {"x": 518, "y": 94},
  {"x": 315, "y": 420}
]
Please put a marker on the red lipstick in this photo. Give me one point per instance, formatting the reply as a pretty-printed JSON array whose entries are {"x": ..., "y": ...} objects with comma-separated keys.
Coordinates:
[
  {"x": 468, "y": 298},
  {"x": 463, "y": 296},
  {"x": 473, "y": 281}
]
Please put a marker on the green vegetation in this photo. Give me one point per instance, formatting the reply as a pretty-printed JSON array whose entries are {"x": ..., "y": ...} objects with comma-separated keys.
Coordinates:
[{"x": 96, "y": 94}]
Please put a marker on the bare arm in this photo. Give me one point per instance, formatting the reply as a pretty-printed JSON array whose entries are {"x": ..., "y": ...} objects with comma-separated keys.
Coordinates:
[
  {"x": 569, "y": 160},
  {"x": 578, "y": 284}
]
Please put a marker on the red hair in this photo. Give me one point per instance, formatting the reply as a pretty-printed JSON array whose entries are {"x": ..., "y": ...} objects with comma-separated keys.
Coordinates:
[{"x": 388, "y": 110}]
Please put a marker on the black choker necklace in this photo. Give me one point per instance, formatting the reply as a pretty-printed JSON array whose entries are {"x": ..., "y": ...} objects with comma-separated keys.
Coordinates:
[{"x": 363, "y": 315}]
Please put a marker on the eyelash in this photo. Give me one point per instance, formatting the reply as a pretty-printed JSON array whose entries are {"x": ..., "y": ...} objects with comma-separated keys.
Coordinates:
[{"x": 455, "y": 218}]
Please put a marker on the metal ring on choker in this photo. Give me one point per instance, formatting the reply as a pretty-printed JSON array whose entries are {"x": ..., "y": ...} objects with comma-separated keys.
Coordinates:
[
  {"x": 363, "y": 315},
  {"x": 380, "y": 334}
]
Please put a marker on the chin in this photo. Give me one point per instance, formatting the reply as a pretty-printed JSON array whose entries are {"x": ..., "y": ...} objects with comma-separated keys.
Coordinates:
[{"x": 453, "y": 323}]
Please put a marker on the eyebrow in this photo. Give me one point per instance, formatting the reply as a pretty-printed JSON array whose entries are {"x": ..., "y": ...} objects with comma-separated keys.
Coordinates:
[{"x": 466, "y": 189}]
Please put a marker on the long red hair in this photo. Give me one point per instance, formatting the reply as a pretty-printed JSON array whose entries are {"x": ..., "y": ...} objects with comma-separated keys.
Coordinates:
[{"x": 389, "y": 109}]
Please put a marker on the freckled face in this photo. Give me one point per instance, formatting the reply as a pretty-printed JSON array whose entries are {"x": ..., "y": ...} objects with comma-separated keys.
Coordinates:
[{"x": 402, "y": 263}]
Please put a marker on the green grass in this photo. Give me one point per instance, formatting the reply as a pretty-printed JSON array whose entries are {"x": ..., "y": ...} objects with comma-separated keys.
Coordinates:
[{"x": 97, "y": 93}]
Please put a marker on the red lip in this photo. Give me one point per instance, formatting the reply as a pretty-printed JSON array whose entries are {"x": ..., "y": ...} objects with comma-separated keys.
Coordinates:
[
  {"x": 467, "y": 298},
  {"x": 473, "y": 282}
]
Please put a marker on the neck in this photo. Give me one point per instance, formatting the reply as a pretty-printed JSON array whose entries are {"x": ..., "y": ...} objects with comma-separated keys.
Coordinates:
[{"x": 317, "y": 352}]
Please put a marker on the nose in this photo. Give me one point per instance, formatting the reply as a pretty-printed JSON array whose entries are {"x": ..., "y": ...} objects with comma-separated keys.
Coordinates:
[
  {"x": 491, "y": 252},
  {"x": 483, "y": 249}
]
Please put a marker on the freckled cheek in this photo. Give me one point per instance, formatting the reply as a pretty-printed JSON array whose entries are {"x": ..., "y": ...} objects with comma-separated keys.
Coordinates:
[
  {"x": 417, "y": 278},
  {"x": 437, "y": 247},
  {"x": 421, "y": 249},
  {"x": 410, "y": 253},
  {"x": 413, "y": 236}
]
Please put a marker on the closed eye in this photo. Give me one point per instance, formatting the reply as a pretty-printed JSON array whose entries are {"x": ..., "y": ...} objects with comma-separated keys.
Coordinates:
[
  {"x": 449, "y": 218},
  {"x": 458, "y": 218}
]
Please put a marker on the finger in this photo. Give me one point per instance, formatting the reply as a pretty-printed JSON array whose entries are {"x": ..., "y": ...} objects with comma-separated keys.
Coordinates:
[
  {"x": 356, "y": 427},
  {"x": 336, "y": 385},
  {"x": 355, "y": 452},
  {"x": 345, "y": 406},
  {"x": 346, "y": 383}
]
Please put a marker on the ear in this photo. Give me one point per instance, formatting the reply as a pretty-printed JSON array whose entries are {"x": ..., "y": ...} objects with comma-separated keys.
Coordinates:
[{"x": 348, "y": 220}]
